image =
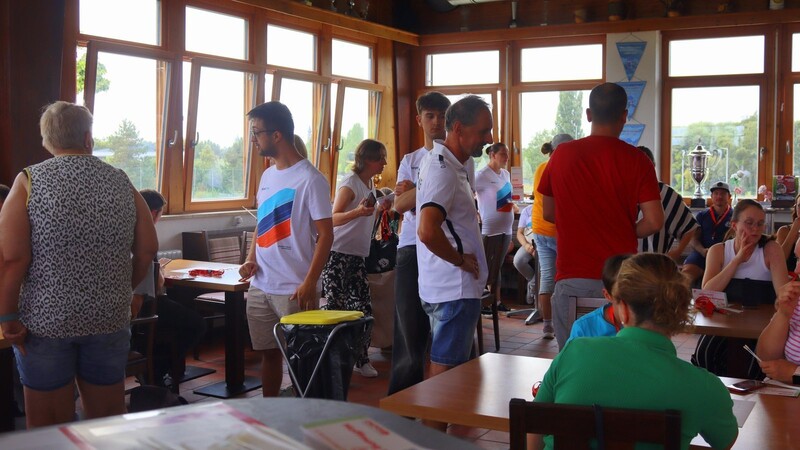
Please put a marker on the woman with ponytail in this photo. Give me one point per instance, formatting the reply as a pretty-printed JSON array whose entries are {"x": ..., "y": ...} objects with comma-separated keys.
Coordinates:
[{"x": 639, "y": 368}]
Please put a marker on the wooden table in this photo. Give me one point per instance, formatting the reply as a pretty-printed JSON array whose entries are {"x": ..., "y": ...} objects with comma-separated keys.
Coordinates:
[
  {"x": 747, "y": 324},
  {"x": 475, "y": 394},
  {"x": 772, "y": 424},
  {"x": 235, "y": 381}
]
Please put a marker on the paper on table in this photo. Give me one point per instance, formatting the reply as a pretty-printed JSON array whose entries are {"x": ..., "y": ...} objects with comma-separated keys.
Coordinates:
[
  {"x": 742, "y": 409},
  {"x": 775, "y": 387},
  {"x": 354, "y": 432}
]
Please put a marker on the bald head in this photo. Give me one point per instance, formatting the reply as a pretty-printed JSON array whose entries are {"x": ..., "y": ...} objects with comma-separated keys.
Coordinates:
[{"x": 608, "y": 103}]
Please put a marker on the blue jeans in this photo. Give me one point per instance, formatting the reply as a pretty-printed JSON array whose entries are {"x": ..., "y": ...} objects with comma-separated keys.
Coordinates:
[
  {"x": 546, "y": 252},
  {"x": 453, "y": 325},
  {"x": 411, "y": 324},
  {"x": 52, "y": 363}
]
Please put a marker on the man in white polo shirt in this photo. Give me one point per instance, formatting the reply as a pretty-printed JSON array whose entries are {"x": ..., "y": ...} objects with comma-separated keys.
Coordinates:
[{"x": 452, "y": 264}]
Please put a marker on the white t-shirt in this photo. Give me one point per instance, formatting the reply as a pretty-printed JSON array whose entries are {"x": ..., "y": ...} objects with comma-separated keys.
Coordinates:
[
  {"x": 494, "y": 201},
  {"x": 353, "y": 238},
  {"x": 443, "y": 184},
  {"x": 289, "y": 201},
  {"x": 409, "y": 170}
]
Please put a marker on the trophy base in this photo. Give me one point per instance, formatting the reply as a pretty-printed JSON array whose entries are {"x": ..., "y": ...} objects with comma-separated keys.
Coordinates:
[{"x": 698, "y": 203}]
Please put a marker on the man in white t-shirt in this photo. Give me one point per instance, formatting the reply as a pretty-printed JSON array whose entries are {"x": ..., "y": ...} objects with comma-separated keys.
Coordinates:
[
  {"x": 452, "y": 264},
  {"x": 293, "y": 237},
  {"x": 411, "y": 324}
]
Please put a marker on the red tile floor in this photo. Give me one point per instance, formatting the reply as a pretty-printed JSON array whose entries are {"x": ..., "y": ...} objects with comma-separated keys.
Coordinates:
[{"x": 515, "y": 338}]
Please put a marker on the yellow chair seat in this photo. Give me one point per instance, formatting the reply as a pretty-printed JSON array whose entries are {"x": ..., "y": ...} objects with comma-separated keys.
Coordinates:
[{"x": 321, "y": 317}]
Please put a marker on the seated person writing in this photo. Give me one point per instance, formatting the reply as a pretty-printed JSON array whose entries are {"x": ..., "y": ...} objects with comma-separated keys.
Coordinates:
[
  {"x": 749, "y": 258},
  {"x": 602, "y": 321},
  {"x": 779, "y": 343},
  {"x": 639, "y": 367},
  {"x": 714, "y": 223}
]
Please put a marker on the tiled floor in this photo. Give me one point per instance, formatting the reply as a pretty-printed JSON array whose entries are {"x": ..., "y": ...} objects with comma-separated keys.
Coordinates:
[{"x": 515, "y": 338}]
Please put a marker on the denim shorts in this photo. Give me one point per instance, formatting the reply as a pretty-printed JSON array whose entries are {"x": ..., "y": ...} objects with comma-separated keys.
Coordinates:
[
  {"x": 52, "y": 363},
  {"x": 453, "y": 325},
  {"x": 546, "y": 252}
]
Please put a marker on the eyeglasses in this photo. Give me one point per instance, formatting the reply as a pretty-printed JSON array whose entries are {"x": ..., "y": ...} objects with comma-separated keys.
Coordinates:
[{"x": 254, "y": 133}]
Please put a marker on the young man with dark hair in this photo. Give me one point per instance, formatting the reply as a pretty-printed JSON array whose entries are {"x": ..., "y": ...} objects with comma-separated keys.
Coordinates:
[
  {"x": 601, "y": 221},
  {"x": 293, "y": 237},
  {"x": 411, "y": 325},
  {"x": 713, "y": 225}
]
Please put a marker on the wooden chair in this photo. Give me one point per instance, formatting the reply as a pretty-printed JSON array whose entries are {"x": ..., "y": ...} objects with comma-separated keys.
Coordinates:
[
  {"x": 580, "y": 306},
  {"x": 247, "y": 241},
  {"x": 573, "y": 426},
  {"x": 495, "y": 254}
]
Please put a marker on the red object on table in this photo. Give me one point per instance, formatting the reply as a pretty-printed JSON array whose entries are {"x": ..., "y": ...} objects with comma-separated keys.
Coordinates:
[{"x": 206, "y": 273}]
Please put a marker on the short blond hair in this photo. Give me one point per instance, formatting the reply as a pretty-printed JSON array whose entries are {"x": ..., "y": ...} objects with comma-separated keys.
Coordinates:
[{"x": 64, "y": 125}]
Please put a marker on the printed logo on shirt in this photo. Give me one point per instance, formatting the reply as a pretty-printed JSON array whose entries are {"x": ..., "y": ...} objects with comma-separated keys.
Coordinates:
[
  {"x": 504, "y": 198},
  {"x": 275, "y": 218}
]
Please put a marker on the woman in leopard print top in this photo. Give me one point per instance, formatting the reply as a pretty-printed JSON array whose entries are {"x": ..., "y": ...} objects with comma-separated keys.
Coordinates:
[{"x": 69, "y": 228}]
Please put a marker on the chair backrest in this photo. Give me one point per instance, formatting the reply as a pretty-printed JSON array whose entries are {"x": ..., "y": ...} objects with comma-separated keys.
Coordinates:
[
  {"x": 579, "y": 306},
  {"x": 225, "y": 250},
  {"x": 247, "y": 241},
  {"x": 495, "y": 251},
  {"x": 573, "y": 426}
]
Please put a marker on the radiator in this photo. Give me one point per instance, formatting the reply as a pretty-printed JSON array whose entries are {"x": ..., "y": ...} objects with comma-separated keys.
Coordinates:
[{"x": 171, "y": 254}]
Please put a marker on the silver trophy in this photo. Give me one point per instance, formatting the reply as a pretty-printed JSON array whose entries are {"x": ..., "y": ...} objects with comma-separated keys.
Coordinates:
[{"x": 699, "y": 166}]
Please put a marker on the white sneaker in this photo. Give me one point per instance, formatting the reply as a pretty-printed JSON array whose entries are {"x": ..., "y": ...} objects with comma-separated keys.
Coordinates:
[{"x": 366, "y": 370}]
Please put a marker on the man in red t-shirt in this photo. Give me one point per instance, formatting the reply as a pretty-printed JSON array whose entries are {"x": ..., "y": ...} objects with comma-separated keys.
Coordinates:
[{"x": 593, "y": 189}]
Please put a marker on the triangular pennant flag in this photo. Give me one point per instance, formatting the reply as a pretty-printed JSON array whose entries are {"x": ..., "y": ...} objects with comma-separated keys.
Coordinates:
[
  {"x": 634, "y": 90},
  {"x": 631, "y": 53},
  {"x": 632, "y": 132}
]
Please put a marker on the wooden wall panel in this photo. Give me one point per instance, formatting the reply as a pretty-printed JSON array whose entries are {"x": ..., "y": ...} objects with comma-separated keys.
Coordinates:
[{"x": 31, "y": 52}]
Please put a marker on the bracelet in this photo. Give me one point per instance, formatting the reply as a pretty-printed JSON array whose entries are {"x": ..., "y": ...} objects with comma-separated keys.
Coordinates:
[
  {"x": 461, "y": 262},
  {"x": 9, "y": 317}
]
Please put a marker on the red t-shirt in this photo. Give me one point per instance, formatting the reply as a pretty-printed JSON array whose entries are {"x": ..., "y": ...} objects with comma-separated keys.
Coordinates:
[{"x": 597, "y": 183}]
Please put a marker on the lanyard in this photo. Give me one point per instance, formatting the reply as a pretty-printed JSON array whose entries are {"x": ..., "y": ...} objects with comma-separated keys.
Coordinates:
[{"x": 716, "y": 221}]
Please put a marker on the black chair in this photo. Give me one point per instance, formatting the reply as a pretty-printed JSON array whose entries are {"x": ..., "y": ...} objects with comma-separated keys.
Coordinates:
[
  {"x": 573, "y": 426},
  {"x": 495, "y": 255}
]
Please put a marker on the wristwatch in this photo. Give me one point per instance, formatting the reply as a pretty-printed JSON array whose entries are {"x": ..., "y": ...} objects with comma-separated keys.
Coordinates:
[{"x": 796, "y": 376}]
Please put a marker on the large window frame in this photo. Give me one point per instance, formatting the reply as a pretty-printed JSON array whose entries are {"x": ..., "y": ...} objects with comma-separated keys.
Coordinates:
[{"x": 767, "y": 153}]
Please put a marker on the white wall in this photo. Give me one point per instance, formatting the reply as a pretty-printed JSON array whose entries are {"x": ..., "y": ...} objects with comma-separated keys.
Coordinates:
[
  {"x": 169, "y": 228},
  {"x": 647, "y": 112}
]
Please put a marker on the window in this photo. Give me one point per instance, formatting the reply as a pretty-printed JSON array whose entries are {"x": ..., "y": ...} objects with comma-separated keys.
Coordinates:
[
  {"x": 357, "y": 117},
  {"x": 306, "y": 96},
  {"x": 218, "y": 153},
  {"x": 228, "y": 38},
  {"x": 553, "y": 95},
  {"x": 561, "y": 63},
  {"x": 132, "y": 137},
  {"x": 125, "y": 20},
  {"x": 352, "y": 60},
  {"x": 718, "y": 102},
  {"x": 301, "y": 54},
  {"x": 464, "y": 68}
]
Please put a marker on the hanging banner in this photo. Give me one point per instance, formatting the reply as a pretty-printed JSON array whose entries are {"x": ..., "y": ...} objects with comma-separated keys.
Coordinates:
[
  {"x": 634, "y": 90},
  {"x": 631, "y": 53},
  {"x": 632, "y": 132}
]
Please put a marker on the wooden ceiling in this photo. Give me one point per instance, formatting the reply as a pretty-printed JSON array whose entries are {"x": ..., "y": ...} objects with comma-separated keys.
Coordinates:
[{"x": 424, "y": 17}]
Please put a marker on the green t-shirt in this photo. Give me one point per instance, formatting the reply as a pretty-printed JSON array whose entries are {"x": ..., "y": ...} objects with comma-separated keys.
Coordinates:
[{"x": 639, "y": 369}]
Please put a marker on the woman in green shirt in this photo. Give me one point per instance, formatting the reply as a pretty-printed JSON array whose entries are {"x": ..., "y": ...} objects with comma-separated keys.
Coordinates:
[{"x": 639, "y": 368}]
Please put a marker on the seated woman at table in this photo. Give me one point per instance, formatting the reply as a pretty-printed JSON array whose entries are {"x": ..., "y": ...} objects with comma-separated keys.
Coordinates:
[
  {"x": 779, "y": 343},
  {"x": 639, "y": 368},
  {"x": 603, "y": 321},
  {"x": 749, "y": 255},
  {"x": 787, "y": 236}
]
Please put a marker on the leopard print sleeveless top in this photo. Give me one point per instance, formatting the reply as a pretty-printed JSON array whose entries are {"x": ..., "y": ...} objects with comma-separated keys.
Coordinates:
[{"x": 82, "y": 216}]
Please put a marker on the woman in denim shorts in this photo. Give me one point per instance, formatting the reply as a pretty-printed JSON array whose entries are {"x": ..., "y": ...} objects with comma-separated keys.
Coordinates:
[{"x": 70, "y": 226}]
